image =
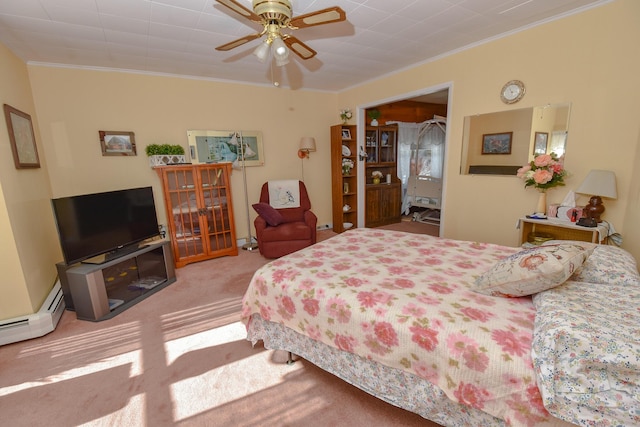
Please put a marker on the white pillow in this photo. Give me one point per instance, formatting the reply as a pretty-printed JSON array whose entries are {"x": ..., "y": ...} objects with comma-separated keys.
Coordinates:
[{"x": 533, "y": 270}]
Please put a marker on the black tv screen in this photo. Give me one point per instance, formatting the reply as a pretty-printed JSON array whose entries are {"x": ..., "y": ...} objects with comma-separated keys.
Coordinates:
[{"x": 95, "y": 224}]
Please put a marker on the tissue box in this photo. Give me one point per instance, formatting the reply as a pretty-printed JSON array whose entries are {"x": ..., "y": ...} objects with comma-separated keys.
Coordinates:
[{"x": 565, "y": 212}]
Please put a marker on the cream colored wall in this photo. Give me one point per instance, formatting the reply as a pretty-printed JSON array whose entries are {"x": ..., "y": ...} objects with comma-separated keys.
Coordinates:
[
  {"x": 584, "y": 59},
  {"x": 29, "y": 240},
  {"x": 73, "y": 105}
]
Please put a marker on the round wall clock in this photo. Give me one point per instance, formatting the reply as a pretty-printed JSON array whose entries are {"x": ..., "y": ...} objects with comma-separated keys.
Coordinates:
[{"x": 512, "y": 92}]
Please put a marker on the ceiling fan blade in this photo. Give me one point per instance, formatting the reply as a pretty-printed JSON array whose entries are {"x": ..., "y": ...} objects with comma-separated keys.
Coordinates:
[
  {"x": 240, "y": 9},
  {"x": 239, "y": 42},
  {"x": 319, "y": 17},
  {"x": 300, "y": 49}
]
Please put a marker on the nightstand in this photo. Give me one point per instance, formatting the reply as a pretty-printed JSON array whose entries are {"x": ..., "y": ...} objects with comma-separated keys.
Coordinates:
[{"x": 562, "y": 230}]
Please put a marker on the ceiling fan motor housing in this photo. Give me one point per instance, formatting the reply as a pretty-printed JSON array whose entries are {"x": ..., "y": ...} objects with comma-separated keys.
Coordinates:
[{"x": 273, "y": 10}]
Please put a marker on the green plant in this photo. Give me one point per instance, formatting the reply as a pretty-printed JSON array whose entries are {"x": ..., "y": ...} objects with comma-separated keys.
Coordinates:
[
  {"x": 163, "y": 149},
  {"x": 373, "y": 114}
]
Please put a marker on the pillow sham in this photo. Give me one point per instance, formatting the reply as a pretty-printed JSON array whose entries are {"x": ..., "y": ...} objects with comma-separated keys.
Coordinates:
[
  {"x": 608, "y": 265},
  {"x": 533, "y": 270},
  {"x": 269, "y": 213}
]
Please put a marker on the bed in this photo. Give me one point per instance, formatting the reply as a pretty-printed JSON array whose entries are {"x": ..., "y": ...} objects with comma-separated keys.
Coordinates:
[{"x": 411, "y": 320}]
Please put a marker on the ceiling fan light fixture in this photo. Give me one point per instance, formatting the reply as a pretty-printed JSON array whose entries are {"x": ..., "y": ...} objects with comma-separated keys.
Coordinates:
[
  {"x": 280, "y": 50},
  {"x": 282, "y": 61},
  {"x": 262, "y": 51}
]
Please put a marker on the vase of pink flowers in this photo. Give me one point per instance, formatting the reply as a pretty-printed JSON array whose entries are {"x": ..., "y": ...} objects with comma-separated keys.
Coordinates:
[{"x": 545, "y": 171}]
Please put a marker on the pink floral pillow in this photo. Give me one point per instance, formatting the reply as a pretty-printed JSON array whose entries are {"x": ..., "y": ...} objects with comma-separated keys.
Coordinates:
[{"x": 533, "y": 270}]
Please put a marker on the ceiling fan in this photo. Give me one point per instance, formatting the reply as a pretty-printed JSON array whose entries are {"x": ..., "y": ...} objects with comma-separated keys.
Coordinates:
[{"x": 275, "y": 16}]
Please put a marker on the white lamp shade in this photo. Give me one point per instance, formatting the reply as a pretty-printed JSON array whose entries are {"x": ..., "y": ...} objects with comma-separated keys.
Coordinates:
[
  {"x": 262, "y": 51},
  {"x": 307, "y": 143},
  {"x": 599, "y": 183},
  {"x": 279, "y": 48}
]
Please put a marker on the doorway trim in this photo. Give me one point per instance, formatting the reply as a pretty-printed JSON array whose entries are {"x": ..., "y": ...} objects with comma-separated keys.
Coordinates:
[{"x": 361, "y": 126}]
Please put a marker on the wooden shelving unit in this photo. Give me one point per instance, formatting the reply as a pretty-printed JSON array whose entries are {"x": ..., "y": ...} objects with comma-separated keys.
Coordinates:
[{"x": 344, "y": 187}]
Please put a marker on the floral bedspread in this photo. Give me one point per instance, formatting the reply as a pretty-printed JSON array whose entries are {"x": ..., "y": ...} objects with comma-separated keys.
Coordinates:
[
  {"x": 405, "y": 301},
  {"x": 587, "y": 352}
]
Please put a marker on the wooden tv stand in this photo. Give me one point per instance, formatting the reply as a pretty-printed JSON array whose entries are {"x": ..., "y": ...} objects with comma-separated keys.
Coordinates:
[{"x": 101, "y": 291}]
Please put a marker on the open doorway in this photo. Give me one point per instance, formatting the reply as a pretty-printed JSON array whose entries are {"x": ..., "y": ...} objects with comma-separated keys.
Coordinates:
[{"x": 421, "y": 121}]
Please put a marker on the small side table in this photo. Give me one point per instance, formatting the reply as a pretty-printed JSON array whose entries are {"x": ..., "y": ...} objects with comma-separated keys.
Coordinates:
[{"x": 562, "y": 230}]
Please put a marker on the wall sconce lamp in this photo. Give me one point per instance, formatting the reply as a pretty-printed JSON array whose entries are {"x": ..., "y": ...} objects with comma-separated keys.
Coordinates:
[
  {"x": 598, "y": 183},
  {"x": 307, "y": 144}
]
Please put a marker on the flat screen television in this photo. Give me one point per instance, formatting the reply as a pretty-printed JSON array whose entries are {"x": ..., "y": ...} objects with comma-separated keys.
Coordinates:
[{"x": 108, "y": 223}]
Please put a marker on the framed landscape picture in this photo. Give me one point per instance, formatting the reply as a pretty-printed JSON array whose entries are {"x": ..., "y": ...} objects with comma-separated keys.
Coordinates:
[
  {"x": 214, "y": 146},
  {"x": 116, "y": 143},
  {"x": 497, "y": 143}
]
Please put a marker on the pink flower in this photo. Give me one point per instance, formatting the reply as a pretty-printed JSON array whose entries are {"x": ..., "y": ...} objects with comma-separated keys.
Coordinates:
[
  {"x": 471, "y": 395},
  {"x": 344, "y": 342},
  {"x": 542, "y": 176},
  {"x": 523, "y": 171},
  {"x": 475, "y": 314},
  {"x": 403, "y": 283},
  {"x": 311, "y": 306},
  {"x": 426, "y": 371},
  {"x": 475, "y": 359},
  {"x": 367, "y": 299},
  {"x": 339, "y": 308},
  {"x": 542, "y": 160},
  {"x": 424, "y": 337},
  {"x": 510, "y": 343},
  {"x": 386, "y": 334},
  {"x": 354, "y": 282},
  {"x": 532, "y": 262}
]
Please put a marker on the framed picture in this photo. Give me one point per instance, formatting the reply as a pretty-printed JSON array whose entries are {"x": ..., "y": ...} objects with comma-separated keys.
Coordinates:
[
  {"x": 117, "y": 143},
  {"x": 346, "y": 134},
  {"x": 497, "y": 143},
  {"x": 540, "y": 143},
  {"x": 215, "y": 146},
  {"x": 21, "y": 137}
]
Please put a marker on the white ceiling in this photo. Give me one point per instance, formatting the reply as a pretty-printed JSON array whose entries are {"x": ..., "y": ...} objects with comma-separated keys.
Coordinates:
[{"x": 178, "y": 37}]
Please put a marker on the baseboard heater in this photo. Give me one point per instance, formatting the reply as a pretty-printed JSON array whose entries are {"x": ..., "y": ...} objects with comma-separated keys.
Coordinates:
[{"x": 36, "y": 324}]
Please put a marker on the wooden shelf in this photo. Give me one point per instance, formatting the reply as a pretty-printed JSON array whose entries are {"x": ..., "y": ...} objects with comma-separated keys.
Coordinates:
[{"x": 344, "y": 187}]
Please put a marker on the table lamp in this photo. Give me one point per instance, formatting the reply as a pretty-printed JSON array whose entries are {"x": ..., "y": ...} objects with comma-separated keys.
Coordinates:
[{"x": 598, "y": 183}]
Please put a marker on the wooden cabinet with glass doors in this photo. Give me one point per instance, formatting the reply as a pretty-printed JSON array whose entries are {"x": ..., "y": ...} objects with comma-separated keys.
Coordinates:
[
  {"x": 382, "y": 198},
  {"x": 199, "y": 211}
]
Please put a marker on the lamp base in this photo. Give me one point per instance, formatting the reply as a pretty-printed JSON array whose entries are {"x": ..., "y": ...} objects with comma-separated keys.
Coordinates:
[
  {"x": 250, "y": 246},
  {"x": 594, "y": 209}
]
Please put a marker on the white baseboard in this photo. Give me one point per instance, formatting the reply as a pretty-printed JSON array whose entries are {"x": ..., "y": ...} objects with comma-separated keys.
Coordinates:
[{"x": 37, "y": 324}]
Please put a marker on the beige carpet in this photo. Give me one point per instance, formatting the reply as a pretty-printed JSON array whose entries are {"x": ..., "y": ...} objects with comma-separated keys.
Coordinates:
[{"x": 179, "y": 358}]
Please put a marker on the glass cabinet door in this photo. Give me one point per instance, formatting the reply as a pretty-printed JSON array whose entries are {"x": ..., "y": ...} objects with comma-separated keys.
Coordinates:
[
  {"x": 215, "y": 190},
  {"x": 371, "y": 142},
  {"x": 387, "y": 146},
  {"x": 185, "y": 212}
]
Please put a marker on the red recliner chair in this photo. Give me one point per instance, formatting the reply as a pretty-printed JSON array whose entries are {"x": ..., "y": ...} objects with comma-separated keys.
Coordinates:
[{"x": 283, "y": 231}]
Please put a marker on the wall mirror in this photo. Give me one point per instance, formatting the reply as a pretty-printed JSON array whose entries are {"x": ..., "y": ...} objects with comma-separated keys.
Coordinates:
[{"x": 500, "y": 143}]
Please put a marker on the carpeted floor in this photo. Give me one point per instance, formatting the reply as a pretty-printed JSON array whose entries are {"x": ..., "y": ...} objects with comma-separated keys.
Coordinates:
[{"x": 179, "y": 358}]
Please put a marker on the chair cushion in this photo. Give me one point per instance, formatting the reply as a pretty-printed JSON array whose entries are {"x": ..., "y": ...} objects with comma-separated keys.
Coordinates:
[
  {"x": 271, "y": 215},
  {"x": 287, "y": 231}
]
